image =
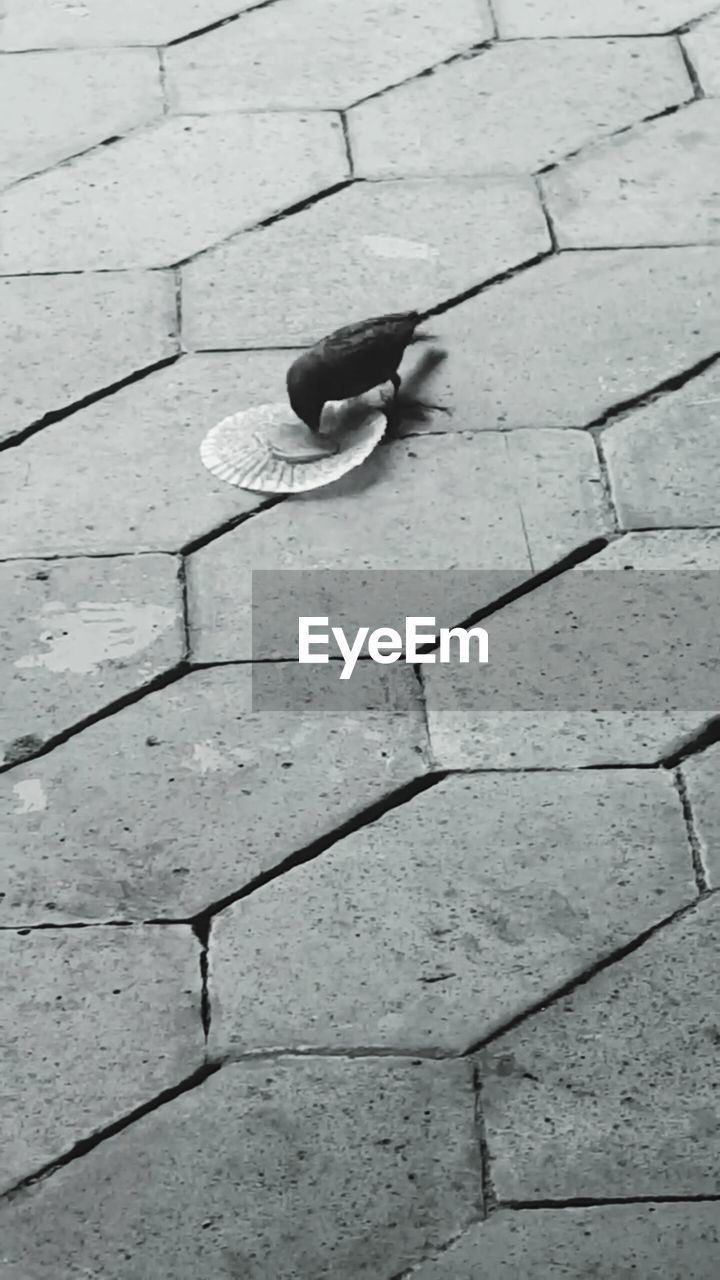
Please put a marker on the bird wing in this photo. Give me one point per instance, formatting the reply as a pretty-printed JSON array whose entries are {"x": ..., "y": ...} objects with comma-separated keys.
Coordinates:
[{"x": 364, "y": 334}]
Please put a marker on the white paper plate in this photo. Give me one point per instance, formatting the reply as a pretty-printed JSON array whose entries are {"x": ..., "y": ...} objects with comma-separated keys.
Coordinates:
[{"x": 268, "y": 450}]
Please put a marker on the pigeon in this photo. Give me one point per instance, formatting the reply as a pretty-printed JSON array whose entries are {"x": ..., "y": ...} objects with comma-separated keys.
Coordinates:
[{"x": 351, "y": 361}]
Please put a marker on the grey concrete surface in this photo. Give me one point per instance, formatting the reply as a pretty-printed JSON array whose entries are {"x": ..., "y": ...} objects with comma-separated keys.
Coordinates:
[
  {"x": 290, "y": 1168},
  {"x": 365, "y": 47},
  {"x": 203, "y": 853},
  {"x": 652, "y": 1241},
  {"x": 373, "y": 248},
  {"x": 81, "y": 633},
  {"x": 542, "y": 349},
  {"x": 662, "y": 460},
  {"x": 612, "y": 1092},
  {"x": 658, "y": 182},
  {"x": 167, "y": 191},
  {"x": 187, "y": 795},
  {"x": 482, "y": 896},
  {"x": 536, "y": 497},
  {"x": 100, "y": 329},
  {"x": 470, "y": 118},
  {"x": 94, "y": 1023}
]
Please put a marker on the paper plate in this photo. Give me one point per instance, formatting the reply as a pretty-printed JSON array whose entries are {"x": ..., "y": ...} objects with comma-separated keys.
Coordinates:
[{"x": 267, "y": 449}]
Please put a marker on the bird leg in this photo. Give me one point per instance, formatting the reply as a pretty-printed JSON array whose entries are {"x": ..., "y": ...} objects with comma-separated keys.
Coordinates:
[{"x": 395, "y": 379}]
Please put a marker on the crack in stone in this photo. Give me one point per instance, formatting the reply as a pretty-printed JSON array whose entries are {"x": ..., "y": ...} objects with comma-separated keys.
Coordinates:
[
  {"x": 616, "y": 133},
  {"x": 598, "y": 1202},
  {"x": 691, "y": 70},
  {"x": 465, "y": 55},
  {"x": 84, "y": 402},
  {"x": 582, "y": 979},
  {"x": 84, "y": 1145},
  {"x": 699, "y": 868},
  {"x": 348, "y": 144},
  {"x": 161, "y": 681},
  {"x": 203, "y": 539},
  {"x": 674, "y": 383},
  {"x": 220, "y": 22},
  {"x": 299, "y": 207},
  {"x": 489, "y": 1197},
  {"x": 695, "y": 743},
  {"x": 366, "y": 817}
]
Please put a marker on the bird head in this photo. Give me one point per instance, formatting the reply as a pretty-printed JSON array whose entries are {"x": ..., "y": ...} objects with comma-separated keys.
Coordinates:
[{"x": 306, "y": 400}]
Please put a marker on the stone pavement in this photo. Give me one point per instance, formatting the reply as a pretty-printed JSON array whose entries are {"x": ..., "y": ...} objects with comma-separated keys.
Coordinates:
[{"x": 423, "y": 988}]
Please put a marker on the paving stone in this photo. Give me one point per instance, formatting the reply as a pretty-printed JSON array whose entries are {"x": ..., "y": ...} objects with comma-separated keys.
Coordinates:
[
  {"x": 168, "y": 191},
  {"x": 613, "y": 1090},
  {"x": 655, "y": 1241},
  {"x": 185, "y": 796},
  {"x": 523, "y": 18},
  {"x": 579, "y": 866},
  {"x": 532, "y": 706},
  {"x": 702, "y": 775},
  {"x": 363, "y": 48},
  {"x": 46, "y": 24},
  {"x": 56, "y": 104},
  {"x": 302, "y": 1170},
  {"x": 509, "y": 503},
  {"x": 470, "y": 118},
  {"x": 655, "y": 185},
  {"x": 666, "y": 549},
  {"x": 143, "y": 442},
  {"x": 560, "y": 346},
  {"x": 79, "y": 1054},
  {"x": 65, "y": 337},
  {"x": 703, "y": 46},
  {"x": 79, "y": 634},
  {"x": 664, "y": 459},
  {"x": 376, "y": 247}
]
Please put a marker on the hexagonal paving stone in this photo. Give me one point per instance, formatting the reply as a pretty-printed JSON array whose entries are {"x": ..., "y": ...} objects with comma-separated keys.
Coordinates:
[
  {"x": 664, "y": 460},
  {"x": 185, "y": 796},
  {"x": 64, "y": 337},
  {"x": 302, "y": 1170},
  {"x": 362, "y": 48},
  {"x": 655, "y": 185},
  {"x": 613, "y": 1090},
  {"x": 655, "y": 1241},
  {"x": 79, "y": 634},
  {"x": 703, "y": 46},
  {"x": 55, "y": 104},
  {"x": 613, "y": 18},
  {"x": 46, "y": 24},
  {"x": 509, "y": 503},
  {"x": 549, "y": 698},
  {"x": 557, "y": 346},
  {"x": 163, "y": 194},
  {"x": 702, "y": 774},
  {"x": 479, "y": 897},
  {"x": 78, "y": 1054},
  {"x": 470, "y": 118},
  {"x": 143, "y": 444},
  {"x": 372, "y": 248}
]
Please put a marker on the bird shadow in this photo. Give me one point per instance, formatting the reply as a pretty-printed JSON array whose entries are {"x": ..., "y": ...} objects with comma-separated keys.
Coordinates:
[{"x": 409, "y": 409}]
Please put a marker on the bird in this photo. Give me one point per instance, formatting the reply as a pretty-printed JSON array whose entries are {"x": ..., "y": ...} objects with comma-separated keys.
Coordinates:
[{"x": 350, "y": 361}]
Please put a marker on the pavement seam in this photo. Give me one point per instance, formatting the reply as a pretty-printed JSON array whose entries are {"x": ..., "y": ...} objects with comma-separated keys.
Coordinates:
[
  {"x": 365, "y": 817},
  {"x": 218, "y": 24},
  {"x": 599, "y": 1202},
  {"x": 467, "y": 54},
  {"x": 665, "y": 387},
  {"x": 489, "y": 1197},
  {"x": 161, "y": 681},
  {"x": 695, "y": 743},
  {"x": 691, "y": 69},
  {"x": 585, "y": 976},
  {"x": 699, "y": 869},
  {"x": 85, "y": 1145},
  {"x": 84, "y": 402}
]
